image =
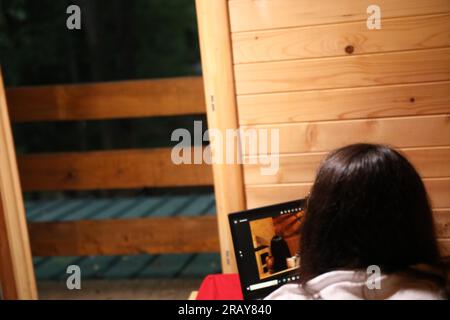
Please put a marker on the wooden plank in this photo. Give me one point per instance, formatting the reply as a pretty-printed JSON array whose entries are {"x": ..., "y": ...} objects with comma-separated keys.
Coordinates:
[
  {"x": 444, "y": 246},
  {"x": 134, "y": 168},
  {"x": 125, "y": 236},
  {"x": 397, "y": 34},
  {"x": 442, "y": 219},
  {"x": 217, "y": 64},
  {"x": 123, "y": 99},
  {"x": 353, "y": 103},
  {"x": 430, "y": 163},
  {"x": 343, "y": 72},
  {"x": 261, "y": 195},
  {"x": 136, "y": 236},
  {"x": 293, "y": 168},
  {"x": 17, "y": 280},
  {"x": 193, "y": 295},
  {"x": 256, "y": 15},
  {"x": 425, "y": 131},
  {"x": 438, "y": 190}
]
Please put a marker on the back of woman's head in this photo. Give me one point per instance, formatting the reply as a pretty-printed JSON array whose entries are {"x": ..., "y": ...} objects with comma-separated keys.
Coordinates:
[{"x": 368, "y": 206}]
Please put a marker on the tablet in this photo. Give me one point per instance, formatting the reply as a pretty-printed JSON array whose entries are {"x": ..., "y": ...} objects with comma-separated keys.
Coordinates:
[{"x": 266, "y": 245}]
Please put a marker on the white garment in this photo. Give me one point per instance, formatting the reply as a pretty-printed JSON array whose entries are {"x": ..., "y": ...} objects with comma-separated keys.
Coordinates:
[{"x": 350, "y": 285}]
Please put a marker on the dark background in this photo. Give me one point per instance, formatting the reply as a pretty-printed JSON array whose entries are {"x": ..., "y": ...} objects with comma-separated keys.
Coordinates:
[{"x": 119, "y": 40}]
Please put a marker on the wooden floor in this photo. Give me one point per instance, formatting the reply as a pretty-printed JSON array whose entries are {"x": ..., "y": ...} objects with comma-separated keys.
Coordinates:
[
  {"x": 137, "y": 289},
  {"x": 167, "y": 266}
]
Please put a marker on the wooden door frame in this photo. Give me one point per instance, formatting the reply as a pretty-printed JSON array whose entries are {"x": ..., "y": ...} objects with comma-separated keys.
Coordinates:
[
  {"x": 218, "y": 77},
  {"x": 17, "y": 279}
]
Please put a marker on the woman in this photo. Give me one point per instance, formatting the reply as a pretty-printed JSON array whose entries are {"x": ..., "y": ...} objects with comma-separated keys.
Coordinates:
[
  {"x": 368, "y": 208},
  {"x": 280, "y": 252}
]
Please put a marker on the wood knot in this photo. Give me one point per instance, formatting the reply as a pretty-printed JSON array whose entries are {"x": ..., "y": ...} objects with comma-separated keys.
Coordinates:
[
  {"x": 412, "y": 99},
  {"x": 71, "y": 175},
  {"x": 349, "y": 49}
]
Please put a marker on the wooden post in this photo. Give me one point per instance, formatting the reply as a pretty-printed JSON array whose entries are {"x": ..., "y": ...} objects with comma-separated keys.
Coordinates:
[
  {"x": 218, "y": 78},
  {"x": 17, "y": 279}
]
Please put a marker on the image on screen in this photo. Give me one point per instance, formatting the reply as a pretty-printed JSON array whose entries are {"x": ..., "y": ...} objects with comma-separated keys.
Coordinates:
[{"x": 276, "y": 243}]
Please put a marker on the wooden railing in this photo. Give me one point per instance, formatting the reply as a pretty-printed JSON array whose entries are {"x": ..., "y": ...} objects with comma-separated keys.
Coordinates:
[
  {"x": 123, "y": 99},
  {"x": 116, "y": 169},
  {"x": 113, "y": 169}
]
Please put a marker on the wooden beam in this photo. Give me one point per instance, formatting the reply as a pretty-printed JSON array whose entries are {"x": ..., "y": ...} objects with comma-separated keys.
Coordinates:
[
  {"x": 125, "y": 236},
  {"x": 400, "y": 132},
  {"x": 343, "y": 72},
  {"x": 343, "y": 104},
  {"x": 218, "y": 76},
  {"x": 109, "y": 170},
  {"x": 17, "y": 279},
  {"x": 444, "y": 247},
  {"x": 430, "y": 162},
  {"x": 331, "y": 40},
  {"x": 442, "y": 220},
  {"x": 143, "y": 235},
  {"x": 123, "y": 99},
  {"x": 248, "y": 15},
  {"x": 438, "y": 190}
]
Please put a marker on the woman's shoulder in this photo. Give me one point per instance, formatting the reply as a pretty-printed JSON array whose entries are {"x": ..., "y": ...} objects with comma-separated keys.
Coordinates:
[{"x": 347, "y": 284}]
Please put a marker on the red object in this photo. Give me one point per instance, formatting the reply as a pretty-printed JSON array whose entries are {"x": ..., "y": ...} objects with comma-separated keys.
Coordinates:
[{"x": 220, "y": 287}]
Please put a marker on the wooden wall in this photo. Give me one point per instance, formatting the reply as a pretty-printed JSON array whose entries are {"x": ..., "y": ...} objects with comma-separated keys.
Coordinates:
[{"x": 315, "y": 71}]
